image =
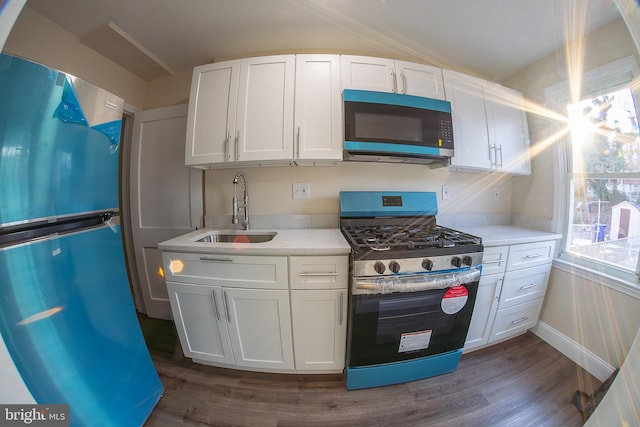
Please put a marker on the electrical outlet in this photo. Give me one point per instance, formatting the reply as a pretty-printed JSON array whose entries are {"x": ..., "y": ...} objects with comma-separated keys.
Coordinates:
[
  {"x": 496, "y": 194},
  {"x": 446, "y": 192},
  {"x": 301, "y": 190}
]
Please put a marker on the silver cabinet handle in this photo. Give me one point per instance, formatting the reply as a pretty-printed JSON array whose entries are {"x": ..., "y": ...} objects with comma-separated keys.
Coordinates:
[
  {"x": 494, "y": 162},
  {"x": 215, "y": 259},
  {"x": 403, "y": 78},
  {"x": 500, "y": 148},
  {"x": 318, "y": 274},
  {"x": 227, "y": 153},
  {"x": 226, "y": 306},
  {"x": 341, "y": 307},
  {"x": 215, "y": 305},
  {"x": 493, "y": 262},
  {"x": 522, "y": 319},
  {"x": 534, "y": 256},
  {"x": 237, "y": 144},
  {"x": 395, "y": 85},
  {"x": 532, "y": 285},
  {"x": 297, "y": 155}
]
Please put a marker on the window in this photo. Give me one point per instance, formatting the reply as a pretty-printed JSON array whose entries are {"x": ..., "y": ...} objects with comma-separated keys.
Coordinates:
[{"x": 603, "y": 197}]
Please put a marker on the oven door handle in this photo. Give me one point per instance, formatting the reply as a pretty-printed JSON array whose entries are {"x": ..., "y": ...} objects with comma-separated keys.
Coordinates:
[{"x": 414, "y": 283}]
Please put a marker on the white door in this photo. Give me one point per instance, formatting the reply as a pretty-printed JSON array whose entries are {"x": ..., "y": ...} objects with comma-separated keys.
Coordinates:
[
  {"x": 508, "y": 131},
  {"x": 419, "y": 80},
  {"x": 320, "y": 326},
  {"x": 201, "y": 322},
  {"x": 318, "y": 108},
  {"x": 368, "y": 73},
  {"x": 484, "y": 311},
  {"x": 165, "y": 197},
  {"x": 260, "y": 327},
  {"x": 470, "y": 137},
  {"x": 212, "y": 113},
  {"x": 264, "y": 121}
]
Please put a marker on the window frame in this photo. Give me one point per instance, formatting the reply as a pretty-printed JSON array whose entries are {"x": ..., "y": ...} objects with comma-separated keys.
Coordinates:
[{"x": 599, "y": 81}]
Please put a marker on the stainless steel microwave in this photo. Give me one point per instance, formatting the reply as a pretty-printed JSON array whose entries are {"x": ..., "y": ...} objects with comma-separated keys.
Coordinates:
[{"x": 397, "y": 128}]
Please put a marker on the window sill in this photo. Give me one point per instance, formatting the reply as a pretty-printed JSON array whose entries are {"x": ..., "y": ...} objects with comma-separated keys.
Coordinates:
[{"x": 627, "y": 283}]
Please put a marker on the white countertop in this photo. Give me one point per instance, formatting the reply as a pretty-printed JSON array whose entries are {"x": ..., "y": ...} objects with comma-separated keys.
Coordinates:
[
  {"x": 497, "y": 235},
  {"x": 308, "y": 241}
]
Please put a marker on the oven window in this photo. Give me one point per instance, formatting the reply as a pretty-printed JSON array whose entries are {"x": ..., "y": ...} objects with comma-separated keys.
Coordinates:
[{"x": 380, "y": 322}]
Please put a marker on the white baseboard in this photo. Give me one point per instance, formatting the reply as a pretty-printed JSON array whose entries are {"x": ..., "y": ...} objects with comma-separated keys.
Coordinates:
[{"x": 596, "y": 366}]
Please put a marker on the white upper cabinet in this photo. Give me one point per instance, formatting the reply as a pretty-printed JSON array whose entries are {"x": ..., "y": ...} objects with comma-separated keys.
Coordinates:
[
  {"x": 265, "y": 109},
  {"x": 318, "y": 110},
  {"x": 489, "y": 125},
  {"x": 211, "y": 119},
  {"x": 508, "y": 130},
  {"x": 470, "y": 135},
  {"x": 387, "y": 75},
  {"x": 241, "y": 111}
]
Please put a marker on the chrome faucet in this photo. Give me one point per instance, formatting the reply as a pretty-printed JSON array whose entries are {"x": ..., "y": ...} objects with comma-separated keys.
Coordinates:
[{"x": 245, "y": 201}]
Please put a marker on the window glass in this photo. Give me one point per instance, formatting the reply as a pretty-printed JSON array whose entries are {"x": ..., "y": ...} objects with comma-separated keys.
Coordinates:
[{"x": 605, "y": 180}]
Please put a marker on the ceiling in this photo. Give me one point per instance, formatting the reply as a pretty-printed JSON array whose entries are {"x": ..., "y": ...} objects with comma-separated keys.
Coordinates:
[{"x": 489, "y": 38}]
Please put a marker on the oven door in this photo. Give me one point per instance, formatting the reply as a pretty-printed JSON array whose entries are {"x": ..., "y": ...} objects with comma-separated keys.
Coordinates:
[{"x": 391, "y": 327}]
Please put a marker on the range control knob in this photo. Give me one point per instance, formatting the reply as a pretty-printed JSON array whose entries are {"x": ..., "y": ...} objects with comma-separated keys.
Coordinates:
[
  {"x": 467, "y": 260},
  {"x": 379, "y": 267},
  {"x": 427, "y": 264},
  {"x": 456, "y": 262},
  {"x": 394, "y": 266}
]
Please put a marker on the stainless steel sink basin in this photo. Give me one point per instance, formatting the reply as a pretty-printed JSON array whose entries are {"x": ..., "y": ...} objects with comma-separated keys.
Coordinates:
[{"x": 238, "y": 237}]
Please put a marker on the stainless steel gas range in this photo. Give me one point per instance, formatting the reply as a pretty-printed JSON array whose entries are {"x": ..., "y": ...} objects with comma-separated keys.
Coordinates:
[{"x": 413, "y": 287}]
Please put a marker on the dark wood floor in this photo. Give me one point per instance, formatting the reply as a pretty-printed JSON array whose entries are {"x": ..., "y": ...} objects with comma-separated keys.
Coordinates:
[{"x": 522, "y": 382}]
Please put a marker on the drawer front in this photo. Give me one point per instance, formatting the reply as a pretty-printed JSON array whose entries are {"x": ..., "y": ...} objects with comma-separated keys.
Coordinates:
[
  {"x": 524, "y": 285},
  {"x": 258, "y": 272},
  {"x": 319, "y": 272},
  {"x": 530, "y": 254},
  {"x": 494, "y": 259},
  {"x": 515, "y": 320}
]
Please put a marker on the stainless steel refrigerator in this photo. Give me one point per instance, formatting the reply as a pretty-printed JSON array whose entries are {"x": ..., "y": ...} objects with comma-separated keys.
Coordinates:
[{"x": 66, "y": 312}]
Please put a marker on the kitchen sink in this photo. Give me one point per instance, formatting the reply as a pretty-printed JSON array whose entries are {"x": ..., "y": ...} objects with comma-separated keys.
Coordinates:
[{"x": 238, "y": 237}]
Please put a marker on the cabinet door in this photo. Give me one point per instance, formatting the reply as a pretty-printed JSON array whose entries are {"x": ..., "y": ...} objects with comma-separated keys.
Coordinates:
[
  {"x": 320, "y": 326},
  {"x": 508, "y": 131},
  {"x": 419, "y": 80},
  {"x": 524, "y": 285},
  {"x": 319, "y": 272},
  {"x": 201, "y": 322},
  {"x": 260, "y": 327},
  {"x": 494, "y": 259},
  {"x": 368, "y": 73},
  {"x": 318, "y": 109},
  {"x": 264, "y": 128},
  {"x": 470, "y": 138},
  {"x": 515, "y": 320},
  {"x": 212, "y": 113},
  {"x": 484, "y": 310}
]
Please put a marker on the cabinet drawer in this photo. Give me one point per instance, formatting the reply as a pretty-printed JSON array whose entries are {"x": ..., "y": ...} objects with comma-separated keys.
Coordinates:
[
  {"x": 258, "y": 272},
  {"x": 524, "y": 285},
  {"x": 319, "y": 272},
  {"x": 494, "y": 259},
  {"x": 530, "y": 254},
  {"x": 515, "y": 320}
]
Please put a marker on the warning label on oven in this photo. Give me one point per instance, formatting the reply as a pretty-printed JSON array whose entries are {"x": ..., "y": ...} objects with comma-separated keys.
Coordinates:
[
  {"x": 411, "y": 341},
  {"x": 454, "y": 299}
]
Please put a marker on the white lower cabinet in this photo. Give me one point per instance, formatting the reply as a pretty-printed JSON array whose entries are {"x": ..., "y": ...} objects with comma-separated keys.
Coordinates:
[
  {"x": 233, "y": 326},
  {"x": 259, "y": 327},
  {"x": 511, "y": 291},
  {"x": 201, "y": 322},
  {"x": 320, "y": 325},
  {"x": 238, "y": 310}
]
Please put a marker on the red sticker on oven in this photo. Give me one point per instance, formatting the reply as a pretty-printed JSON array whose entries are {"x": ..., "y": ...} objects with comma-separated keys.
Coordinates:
[{"x": 454, "y": 299}]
